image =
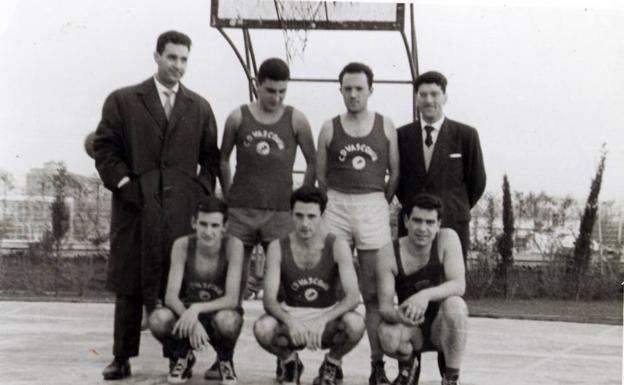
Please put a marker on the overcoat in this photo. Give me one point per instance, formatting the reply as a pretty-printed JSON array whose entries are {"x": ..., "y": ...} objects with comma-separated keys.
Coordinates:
[{"x": 161, "y": 157}]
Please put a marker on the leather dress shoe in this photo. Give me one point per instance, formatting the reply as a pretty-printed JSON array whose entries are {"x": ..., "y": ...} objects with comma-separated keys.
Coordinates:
[{"x": 117, "y": 370}]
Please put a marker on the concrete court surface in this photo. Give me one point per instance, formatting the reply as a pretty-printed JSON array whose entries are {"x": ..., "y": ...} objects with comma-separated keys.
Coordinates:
[{"x": 70, "y": 343}]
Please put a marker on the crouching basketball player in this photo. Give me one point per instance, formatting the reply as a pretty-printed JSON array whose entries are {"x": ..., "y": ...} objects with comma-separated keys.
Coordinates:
[
  {"x": 202, "y": 299},
  {"x": 427, "y": 275},
  {"x": 307, "y": 265}
]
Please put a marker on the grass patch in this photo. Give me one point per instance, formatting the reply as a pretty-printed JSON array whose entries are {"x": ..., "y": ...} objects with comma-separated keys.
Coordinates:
[{"x": 604, "y": 312}]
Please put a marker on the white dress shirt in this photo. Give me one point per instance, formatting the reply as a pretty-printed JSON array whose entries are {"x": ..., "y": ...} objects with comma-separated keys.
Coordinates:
[{"x": 162, "y": 92}]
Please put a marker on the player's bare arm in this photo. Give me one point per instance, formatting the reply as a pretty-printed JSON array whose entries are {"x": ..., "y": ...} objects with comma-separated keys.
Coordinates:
[
  {"x": 324, "y": 140},
  {"x": 188, "y": 317},
  {"x": 393, "y": 159},
  {"x": 305, "y": 140},
  {"x": 454, "y": 272},
  {"x": 348, "y": 280},
  {"x": 386, "y": 271},
  {"x": 176, "y": 273},
  {"x": 227, "y": 145}
]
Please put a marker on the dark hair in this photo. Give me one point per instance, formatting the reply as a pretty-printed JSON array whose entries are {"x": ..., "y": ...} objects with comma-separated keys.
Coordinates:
[
  {"x": 429, "y": 78},
  {"x": 355, "y": 67},
  {"x": 174, "y": 37},
  {"x": 309, "y": 194},
  {"x": 423, "y": 201},
  {"x": 274, "y": 69},
  {"x": 211, "y": 205}
]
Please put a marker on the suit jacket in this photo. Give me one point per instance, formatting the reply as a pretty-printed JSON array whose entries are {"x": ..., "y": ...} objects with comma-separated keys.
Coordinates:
[
  {"x": 135, "y": 139},
  {"x": 456, "y": 173}
]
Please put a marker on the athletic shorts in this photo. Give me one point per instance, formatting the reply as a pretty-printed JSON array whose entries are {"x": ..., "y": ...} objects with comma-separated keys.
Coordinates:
[
  {"x": 253, "y": 226},
  {"x": 306, "y": 313},
  {"x": 360, "y": 219}
]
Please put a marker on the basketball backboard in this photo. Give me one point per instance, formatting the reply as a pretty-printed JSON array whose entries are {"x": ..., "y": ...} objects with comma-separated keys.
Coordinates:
[{"x": 284, "y": 14}]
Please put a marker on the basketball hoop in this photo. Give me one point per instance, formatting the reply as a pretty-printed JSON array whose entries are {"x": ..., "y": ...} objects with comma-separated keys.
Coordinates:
[
  {"x": 289, "y": 15},
  {"x": 296, "y": 17}
]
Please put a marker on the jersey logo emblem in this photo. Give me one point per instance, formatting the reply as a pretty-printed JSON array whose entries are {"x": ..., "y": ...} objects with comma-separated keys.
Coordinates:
[
  {"x": 310, "y": 294},
  {"x": 358, "y": 162},
  {"x": 205, "y": 295},
  {"x": 263, "y": 148}
]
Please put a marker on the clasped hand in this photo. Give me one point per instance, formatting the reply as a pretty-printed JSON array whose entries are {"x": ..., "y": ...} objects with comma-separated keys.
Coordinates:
[
  {"x": 188, "y": 326},
  {"x": 412, "y": 310},
  {"x": 307, "y": 333}
]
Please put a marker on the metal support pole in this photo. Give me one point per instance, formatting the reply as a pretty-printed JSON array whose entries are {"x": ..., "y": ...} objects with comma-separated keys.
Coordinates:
[
  {"x": 326, "y": 80},
  {"x": 414, "y": 59},
  {"x": 238, "y": 55},
  {"x": 251, "y": 51},
  {"x": 248, "y": 64}
]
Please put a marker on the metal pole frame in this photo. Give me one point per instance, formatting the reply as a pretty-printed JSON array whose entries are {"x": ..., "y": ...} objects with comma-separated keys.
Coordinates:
[{"x": 249, "y": 61}]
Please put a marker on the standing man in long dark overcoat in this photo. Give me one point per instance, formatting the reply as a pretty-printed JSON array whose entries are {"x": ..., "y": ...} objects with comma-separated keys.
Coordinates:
[{"x": 155, "y": 149}]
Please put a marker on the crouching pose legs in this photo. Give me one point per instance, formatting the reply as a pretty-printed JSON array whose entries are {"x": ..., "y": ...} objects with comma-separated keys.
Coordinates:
[
  {"x": 308, "y": 264},
  {"x": 427, "y": 276},
  {"x": 202, "y": 302}
]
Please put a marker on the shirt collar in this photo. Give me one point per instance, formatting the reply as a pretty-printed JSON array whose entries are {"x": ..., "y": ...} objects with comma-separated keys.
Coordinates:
[
  {"x": 436, "y": 125},
  {"x": 161, "y": 87}
]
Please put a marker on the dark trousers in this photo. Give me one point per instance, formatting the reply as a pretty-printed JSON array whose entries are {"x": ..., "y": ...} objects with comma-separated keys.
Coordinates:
[
  {"x": 127, "y": 326},
  {"x": 461, "y": 228}
]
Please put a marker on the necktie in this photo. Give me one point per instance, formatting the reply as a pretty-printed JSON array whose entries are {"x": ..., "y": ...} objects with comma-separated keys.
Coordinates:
[
  {"x": 428, "y": 139},
  {"x": 168, "y": 106}
]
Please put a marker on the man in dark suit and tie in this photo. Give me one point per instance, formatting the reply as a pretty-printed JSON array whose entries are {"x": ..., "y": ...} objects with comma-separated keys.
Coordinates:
[
  {"x": 155, "y": 149},
  {"x": 441, "y": 157}
]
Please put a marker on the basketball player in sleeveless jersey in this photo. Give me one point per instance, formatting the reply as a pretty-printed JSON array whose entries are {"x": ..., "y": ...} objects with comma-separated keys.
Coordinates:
[
  {"x": 303, "y": 309},
  {"x": 266, "y": 134},
  {"x": 202, "y": 302},
  {"x": 355, "y": 150},
  {"x": 427, "y": 275}
]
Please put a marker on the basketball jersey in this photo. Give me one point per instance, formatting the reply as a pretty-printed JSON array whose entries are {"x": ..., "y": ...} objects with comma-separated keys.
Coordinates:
[
  {"x": 204, "y": 286},
  {"x": 427, "y": 276},
  {"x": 357, "y": 165},
  {"x": 265, "y": 155},
  {"x": 314, "y": 287}
]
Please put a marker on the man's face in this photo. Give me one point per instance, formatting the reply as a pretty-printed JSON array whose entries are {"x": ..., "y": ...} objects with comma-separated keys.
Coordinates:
[
  {"x": 422, "y": 226},
  {"x": 171, "y": 63},
  {"x": 271, "y": 94},
  {"x": 430, "y": 100},
  {"x": 209, "y": 228},
  {"x": 307, "y": 218},
  {"x": 355, "y": 91}
]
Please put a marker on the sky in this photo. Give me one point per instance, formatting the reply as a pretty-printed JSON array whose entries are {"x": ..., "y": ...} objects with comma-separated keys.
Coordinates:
[{"x": 543, "y": 82}]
